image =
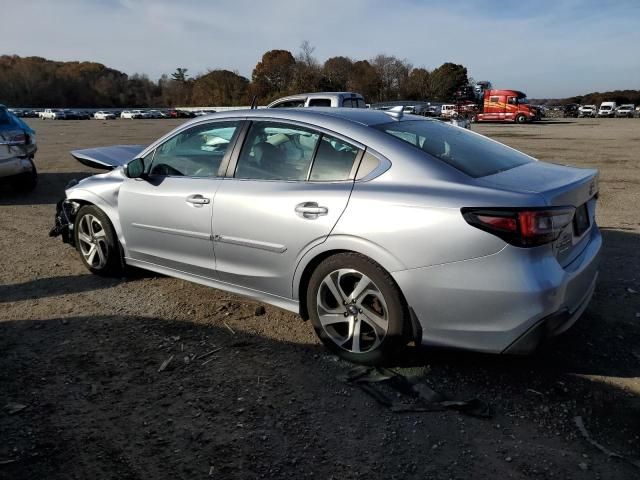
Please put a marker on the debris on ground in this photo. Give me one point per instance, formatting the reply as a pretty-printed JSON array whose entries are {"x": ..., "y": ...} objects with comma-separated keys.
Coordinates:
[
  {"x": 415, "y": 394},
  {"x": 165, "y": 364},
  {"x": 260, "y": 310},
  {"x": 12, "y": 408}
]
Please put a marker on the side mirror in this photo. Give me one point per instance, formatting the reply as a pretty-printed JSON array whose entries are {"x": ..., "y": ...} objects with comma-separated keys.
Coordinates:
[{"x": 135, "y": 168}]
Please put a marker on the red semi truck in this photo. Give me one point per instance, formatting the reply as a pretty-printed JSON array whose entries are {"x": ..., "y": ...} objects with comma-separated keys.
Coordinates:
[{"x": 506, "y": 106}]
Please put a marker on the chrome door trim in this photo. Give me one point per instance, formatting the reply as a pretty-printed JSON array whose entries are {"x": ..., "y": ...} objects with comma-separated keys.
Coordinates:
[
  {"x": 173, "y": 231},
  {"x": 245, "y": 242}
]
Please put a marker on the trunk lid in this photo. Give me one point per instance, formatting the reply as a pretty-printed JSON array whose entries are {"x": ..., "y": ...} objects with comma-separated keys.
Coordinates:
[
  {"x": 560, "y": 186},
  {"x": 107, "y": 158}
]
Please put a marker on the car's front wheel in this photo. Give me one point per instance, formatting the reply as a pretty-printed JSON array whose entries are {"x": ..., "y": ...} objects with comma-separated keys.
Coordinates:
[
  {"x": 97, "y": 242},
  {"x": 357, "y": 309},
  {"x": 521, "y": 119}
]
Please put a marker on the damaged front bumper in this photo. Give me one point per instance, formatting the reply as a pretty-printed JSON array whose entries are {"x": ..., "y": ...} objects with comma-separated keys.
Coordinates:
[{"x": 64, "y": 220}]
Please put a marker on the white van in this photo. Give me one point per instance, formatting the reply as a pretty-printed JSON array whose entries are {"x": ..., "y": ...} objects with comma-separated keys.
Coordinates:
[
  {"x": 448, "y": 110},
  {"x": 607, "y": 109}
]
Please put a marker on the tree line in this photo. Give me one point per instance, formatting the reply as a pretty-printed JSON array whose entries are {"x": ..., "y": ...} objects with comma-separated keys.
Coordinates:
[
  {"x": 596, "y": 98},
  {"x": 39, "y": 82}
]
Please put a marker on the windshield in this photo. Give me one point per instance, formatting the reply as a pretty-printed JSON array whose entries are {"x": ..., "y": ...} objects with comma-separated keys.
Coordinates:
[
  {"x": 475, "y": 155},
  {"x": 523, "y": 101},
  {"x": 605, "y": 107}
]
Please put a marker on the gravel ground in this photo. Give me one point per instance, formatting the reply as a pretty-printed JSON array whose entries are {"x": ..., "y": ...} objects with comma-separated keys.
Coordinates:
[{"x": 83, "y": 393}]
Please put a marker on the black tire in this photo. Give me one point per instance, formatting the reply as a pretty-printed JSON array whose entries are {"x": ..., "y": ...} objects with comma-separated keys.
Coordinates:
[
  {"x": 110, "y": 264},
  {"x": 25, "y": 182},
  {"x": 381, "y": 351},
  {"x": 520, "y": 119}
]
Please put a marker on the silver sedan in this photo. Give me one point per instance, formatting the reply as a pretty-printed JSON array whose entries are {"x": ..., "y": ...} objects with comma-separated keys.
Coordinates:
[{"x": 381, "y": 228}]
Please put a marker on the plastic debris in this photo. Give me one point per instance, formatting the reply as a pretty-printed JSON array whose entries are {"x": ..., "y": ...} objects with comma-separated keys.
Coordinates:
[
  {"x": 415, "y": 394},
  {"x": 12, "y": 408}
]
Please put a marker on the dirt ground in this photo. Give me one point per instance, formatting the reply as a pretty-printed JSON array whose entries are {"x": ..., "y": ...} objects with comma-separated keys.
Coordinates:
[{"x": 256, "y": 396}]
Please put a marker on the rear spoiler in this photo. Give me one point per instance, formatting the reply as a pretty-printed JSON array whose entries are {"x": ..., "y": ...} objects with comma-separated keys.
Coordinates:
[{"x": 107, "y": 158}]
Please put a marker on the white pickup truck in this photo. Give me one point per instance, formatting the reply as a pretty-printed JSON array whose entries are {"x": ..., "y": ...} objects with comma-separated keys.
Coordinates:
[{"x": 52, "y": 114}]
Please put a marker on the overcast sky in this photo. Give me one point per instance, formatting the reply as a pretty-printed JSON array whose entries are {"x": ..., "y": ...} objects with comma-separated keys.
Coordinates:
[{"x": 547, "y": 48}]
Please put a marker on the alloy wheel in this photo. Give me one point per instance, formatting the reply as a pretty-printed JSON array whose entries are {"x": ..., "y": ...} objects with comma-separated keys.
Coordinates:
[
  {"x": 352, "y": 311},
  {"x": 92, "y": 240}
]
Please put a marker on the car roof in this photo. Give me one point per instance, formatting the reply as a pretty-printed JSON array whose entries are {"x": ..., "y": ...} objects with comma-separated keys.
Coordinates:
[{"x": 321, "y": 115}]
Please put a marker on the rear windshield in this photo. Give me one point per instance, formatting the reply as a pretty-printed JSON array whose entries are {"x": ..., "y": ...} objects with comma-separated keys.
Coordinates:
[{"x": 472, "y": 154}]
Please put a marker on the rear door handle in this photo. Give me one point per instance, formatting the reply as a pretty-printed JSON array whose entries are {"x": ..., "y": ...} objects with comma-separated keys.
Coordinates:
[
  {"x": 311, "y": 210},
  {"x": 198, "y": 199}
]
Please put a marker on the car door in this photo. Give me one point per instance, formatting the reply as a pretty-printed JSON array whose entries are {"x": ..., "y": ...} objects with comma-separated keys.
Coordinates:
[
  {"x": 166, "y": 216},
  {"x": 284, "y": 192}
]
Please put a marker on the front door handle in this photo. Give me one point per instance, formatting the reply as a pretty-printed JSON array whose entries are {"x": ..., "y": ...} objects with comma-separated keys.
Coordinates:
[
  {"x": 198, "y": 199},
  {"x": 311, "y": 210}
]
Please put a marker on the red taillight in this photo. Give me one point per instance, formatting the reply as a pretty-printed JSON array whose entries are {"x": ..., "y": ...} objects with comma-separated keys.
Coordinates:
[
  {"x": 521, "y": 227},
  {"x": 19, "y": 139}
]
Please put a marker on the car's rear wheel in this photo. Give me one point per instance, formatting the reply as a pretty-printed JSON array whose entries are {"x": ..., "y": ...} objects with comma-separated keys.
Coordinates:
[
  {"x": 97, "y": 242},
  {"x": 356, "y": 309}
]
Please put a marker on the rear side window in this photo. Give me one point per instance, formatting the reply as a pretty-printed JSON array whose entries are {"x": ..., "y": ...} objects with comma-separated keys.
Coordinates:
[
  {"x": 320, "y": 102},
  {"x": 277, "y": 151},
  {"x": 472, "y": 154},
  {"x": 290, "y": 104},
  {"x": 333, "y": 160}
]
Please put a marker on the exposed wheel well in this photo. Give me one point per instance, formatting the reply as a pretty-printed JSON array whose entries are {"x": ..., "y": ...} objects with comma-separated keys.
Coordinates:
[{"x": 306, "y": 276}]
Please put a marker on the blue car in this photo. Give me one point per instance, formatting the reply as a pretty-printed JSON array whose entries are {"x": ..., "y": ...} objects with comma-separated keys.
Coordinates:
[{"x": 17, "y": 149}]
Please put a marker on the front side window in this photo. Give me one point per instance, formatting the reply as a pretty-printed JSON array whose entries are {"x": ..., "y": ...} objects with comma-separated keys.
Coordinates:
[
  {"x": 348, "y": 103},
  {"x": 195, "y": 152},
  {"x": 276, "y": 151},
  {"x": 474, "y": 155}
]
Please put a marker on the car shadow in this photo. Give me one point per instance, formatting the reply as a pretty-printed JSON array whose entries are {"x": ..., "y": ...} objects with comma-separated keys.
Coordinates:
[
  {"x": 54, "y": 286},
  {"x": 49, "y": 190},
  {"x": 111, "y": 396},
  {"x": 67, "y": 284}
]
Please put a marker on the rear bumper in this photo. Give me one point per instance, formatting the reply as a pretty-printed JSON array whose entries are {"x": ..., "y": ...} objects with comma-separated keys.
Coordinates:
[
  {"x": 15, "y": 166},
  {"x": 505, "y": 302}
]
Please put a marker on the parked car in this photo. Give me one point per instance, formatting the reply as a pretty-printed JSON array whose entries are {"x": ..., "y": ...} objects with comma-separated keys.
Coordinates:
[
  {"x": 181, "y": 114},
  {"x": 154, "y": 114},
  {"x": 607, "y": 109},
  {"x": 571, "y": 110},
  {"x": 104, "y": 115},
  {"x": 53, "y": 114},
  {"x": 321, "y": 99},
  {"x": 625, "y": 111},
  {"x": 17, "y": 150},
  {"x": 325, "y": 213},
  {"x": 75, "y": 115},
  {"x": 588, "y": 111},
  {"x": 130, "y": 114}
]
